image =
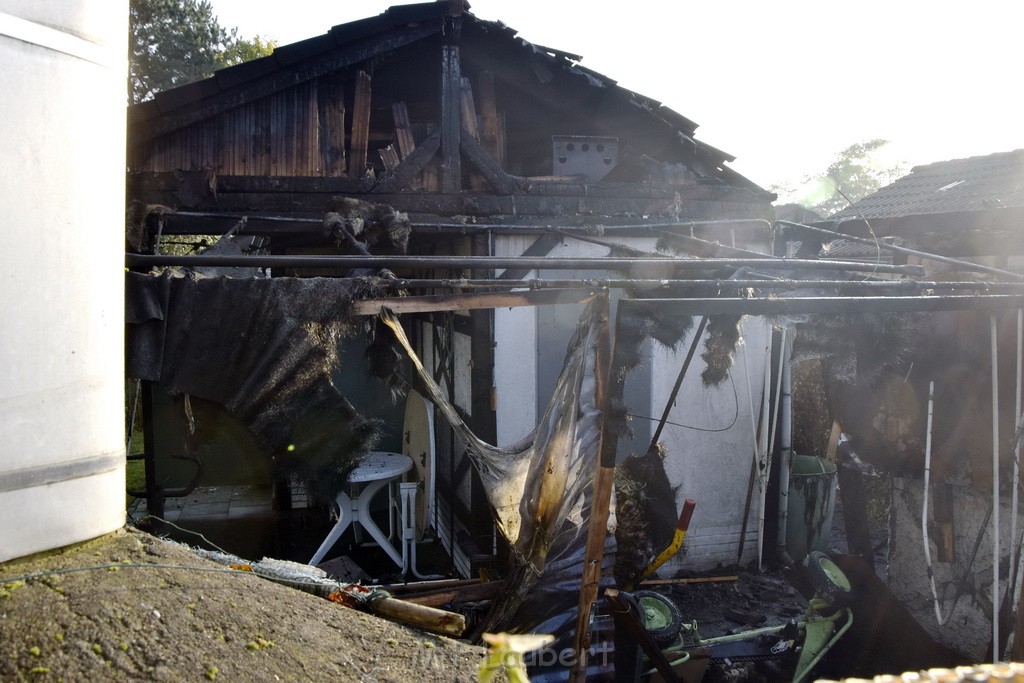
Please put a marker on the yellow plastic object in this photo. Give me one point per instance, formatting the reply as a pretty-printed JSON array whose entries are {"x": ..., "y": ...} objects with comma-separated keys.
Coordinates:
[{"x": 677, "y": 540}]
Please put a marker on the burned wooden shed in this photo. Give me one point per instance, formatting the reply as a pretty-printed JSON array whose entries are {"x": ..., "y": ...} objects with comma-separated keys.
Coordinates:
[{"x": 492, "y": 146}]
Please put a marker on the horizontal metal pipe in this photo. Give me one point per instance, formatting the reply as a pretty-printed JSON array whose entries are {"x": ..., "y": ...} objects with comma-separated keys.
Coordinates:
[
  {"x": 849, "y": 304},
  {"x": 489, "y": 262},
  {"x": 784, "y": 284},
  {"x": 976, "y": 267},
  {"x": 539, "y": 226}
]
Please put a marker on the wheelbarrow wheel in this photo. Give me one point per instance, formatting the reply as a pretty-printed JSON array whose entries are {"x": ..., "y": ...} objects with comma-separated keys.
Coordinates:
[
  {"x": 660, "y": 616},
  {"x": 828, "y": 579}
]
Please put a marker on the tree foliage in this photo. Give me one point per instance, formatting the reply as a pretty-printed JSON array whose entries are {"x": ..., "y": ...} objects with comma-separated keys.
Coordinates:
[
  {"x": 173, "y": 42},
  {"x": 244, "y": 50},
  {"x": 855, "y": 173}
]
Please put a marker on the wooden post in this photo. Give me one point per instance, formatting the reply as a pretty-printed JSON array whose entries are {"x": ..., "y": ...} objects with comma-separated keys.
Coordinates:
[
  {"x": 855, "y": 514},
  {"x": 451, "y": 107},
  {"x": 628, "y": 620},
  {"x": 360, "y": 124},
  {"x": 599, "y": 501}
]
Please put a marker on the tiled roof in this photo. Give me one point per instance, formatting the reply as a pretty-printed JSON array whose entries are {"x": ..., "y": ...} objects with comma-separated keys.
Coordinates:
[{"x": 960, "y": 185}]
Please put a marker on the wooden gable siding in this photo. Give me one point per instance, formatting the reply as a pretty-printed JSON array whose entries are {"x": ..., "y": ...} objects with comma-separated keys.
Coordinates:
[{"x": 278, "y": 135}]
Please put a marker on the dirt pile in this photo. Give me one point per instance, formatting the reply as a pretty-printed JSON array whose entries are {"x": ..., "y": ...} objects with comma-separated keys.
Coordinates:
[{"x": 129, "y": 606}]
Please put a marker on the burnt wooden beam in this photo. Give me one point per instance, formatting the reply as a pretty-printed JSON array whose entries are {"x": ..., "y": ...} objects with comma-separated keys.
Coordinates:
[
  {"x": 330, "y": 100},
  {"x": 451, "y": 107},
  {"x": 855, "y": 514},
  {"x": 542, "y": 246},
  {"x": 389, "y": 156},
  {"x": 628, "y": 620},
  {"x": 489, "y": 120},
  {"x": 468, "y": 110},
  {"x": 142, "y": 130},
  {"x": 402, "y": 176},
  {"x": 482, "y": 398},
  {"x": 403, "y": 129},
  {"x": 471, "y": 302},
  {"x": 502, "y": 182},
  {"x": 165, "y": 181},
  {"x": 608, "y": 388},
  {"x": 360, "y": 124}
]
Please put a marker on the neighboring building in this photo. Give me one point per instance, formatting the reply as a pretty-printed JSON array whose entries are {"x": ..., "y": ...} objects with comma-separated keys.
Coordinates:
[
  {"x": 490, "y": 143},
  {"x": 971, "y": 209}
]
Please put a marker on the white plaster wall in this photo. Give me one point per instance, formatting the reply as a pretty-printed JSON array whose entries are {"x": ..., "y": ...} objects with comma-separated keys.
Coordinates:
[
  {"x": 515, "y": 358},
  {"x": 463, "y": 373},
  {"x": 709, "y": 458},
  {"x": 969, "y": 628}
]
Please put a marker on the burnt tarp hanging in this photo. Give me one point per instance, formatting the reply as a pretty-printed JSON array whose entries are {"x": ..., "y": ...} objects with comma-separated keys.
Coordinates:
[
  {"x": 265, "y": 349},
  {"x": 540, "y": 488}
]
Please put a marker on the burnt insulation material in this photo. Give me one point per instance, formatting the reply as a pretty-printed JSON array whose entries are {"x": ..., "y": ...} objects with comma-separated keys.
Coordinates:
[
  {"x": 265, "y": 349},
  {"x": 645, "y": 514},
  {"x": 668, "y": 327},
  {"x": 378, "y": 226},
  {"x": 720, "y": 348}
]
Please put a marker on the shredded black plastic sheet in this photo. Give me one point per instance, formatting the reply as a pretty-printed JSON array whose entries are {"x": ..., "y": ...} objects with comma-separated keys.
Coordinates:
[
  {"x": 540, "y": 488},
  {"x": 265, "y": 349}
]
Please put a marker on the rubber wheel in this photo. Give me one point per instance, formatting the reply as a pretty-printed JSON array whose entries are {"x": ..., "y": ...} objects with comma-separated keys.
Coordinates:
[
  {"x": 828, "y": 579},
  {"x": 660, "y": 617}
]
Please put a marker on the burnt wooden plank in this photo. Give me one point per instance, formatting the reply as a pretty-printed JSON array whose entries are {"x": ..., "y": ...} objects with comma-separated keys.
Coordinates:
[
  {"x": 489, "y": 133},
  {"x": 471, "y": 302},
  {"x": 452, "y": 204},
  {"x": 157, "y": 181},
  {"x": 276, "y": 80},
  {"x": 360, "y": 136},
  {"x": 403, "y": 129},
  {"x": 468, "y": 105},
  {"x": 389, "y": 156},
  {"x": 502, "y": 182},
  {"x": 402, "y": 176},
  {"x": 451, "y": 108}
]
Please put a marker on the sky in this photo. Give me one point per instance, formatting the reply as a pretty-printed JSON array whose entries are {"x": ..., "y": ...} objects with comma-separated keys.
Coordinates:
[{"x": 783, "y": 86}]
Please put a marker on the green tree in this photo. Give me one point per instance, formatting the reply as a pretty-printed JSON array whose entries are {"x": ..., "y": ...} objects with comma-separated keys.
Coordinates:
[
  {"x": 244, "y": 50},
  {"x": 173, "y": 42},
  {"x": 855, "y": 173}
]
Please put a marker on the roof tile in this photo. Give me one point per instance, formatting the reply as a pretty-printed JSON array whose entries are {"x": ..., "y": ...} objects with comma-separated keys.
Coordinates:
[{"x": 972, "y": 184}]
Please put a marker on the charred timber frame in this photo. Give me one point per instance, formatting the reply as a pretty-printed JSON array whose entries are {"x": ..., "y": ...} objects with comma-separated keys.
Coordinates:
[
  {"x": 451, "y": 106},
  {"x": 145, "y": 130},
  {"x": 293, "y": 195},
  {"x": 484, "y": 416}
]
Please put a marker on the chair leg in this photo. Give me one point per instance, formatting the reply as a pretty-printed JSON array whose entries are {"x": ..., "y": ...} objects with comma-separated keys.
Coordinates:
[{"x": 345, "y": 517}]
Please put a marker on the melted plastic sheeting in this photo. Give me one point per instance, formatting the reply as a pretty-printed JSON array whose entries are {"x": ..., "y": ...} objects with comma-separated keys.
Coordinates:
[
  {"x": 265, "y": 349},
  {"x": 540, "y": 488}
]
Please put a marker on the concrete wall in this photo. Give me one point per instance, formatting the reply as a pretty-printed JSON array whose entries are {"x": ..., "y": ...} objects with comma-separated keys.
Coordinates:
[
  {"x": 61, "y": 272},
  {"x": 969, "y": 628}
]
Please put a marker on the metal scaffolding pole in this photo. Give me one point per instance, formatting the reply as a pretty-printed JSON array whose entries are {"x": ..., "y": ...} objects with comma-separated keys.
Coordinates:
[{"x": 532, "y": 263}]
